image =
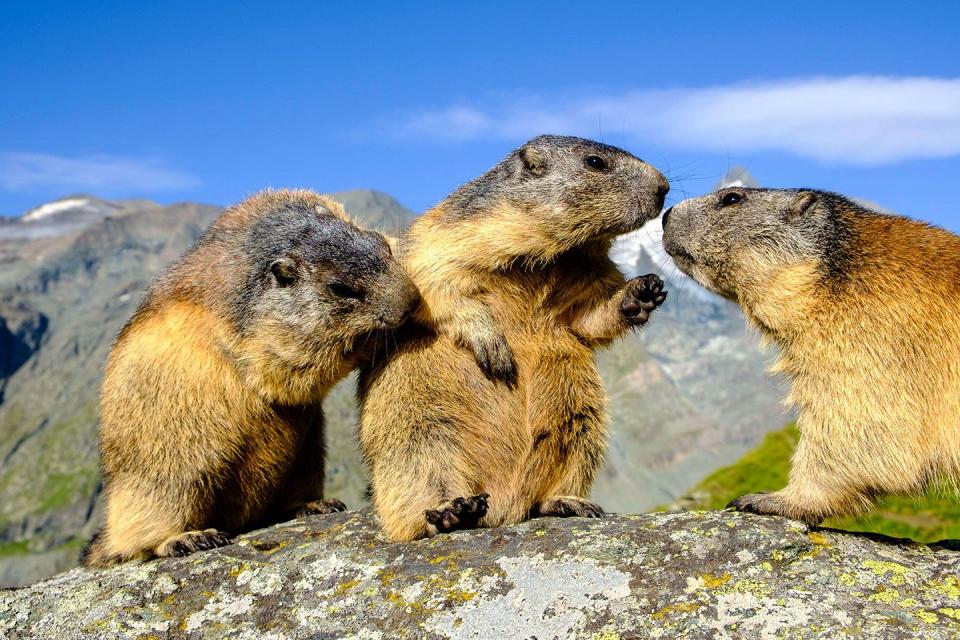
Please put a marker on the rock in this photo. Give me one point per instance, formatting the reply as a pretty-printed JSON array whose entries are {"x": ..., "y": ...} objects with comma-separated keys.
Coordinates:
[{"x": 691, "y": 575}]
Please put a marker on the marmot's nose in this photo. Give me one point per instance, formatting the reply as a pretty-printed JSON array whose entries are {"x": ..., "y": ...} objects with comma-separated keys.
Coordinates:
[
  {"x": 663, "y": 219},
  {"x": 662, "y": 195}
]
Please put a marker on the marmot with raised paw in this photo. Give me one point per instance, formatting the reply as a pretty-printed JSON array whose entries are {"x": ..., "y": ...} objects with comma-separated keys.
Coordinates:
[{"x": 515, "y": 277}]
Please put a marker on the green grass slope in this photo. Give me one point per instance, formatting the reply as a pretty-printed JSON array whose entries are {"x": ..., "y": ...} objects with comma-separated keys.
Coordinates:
[{"x": 929, "y": 518}]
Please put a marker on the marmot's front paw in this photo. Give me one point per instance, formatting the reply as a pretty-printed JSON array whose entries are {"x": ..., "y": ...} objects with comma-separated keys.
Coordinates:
[
  {"x": 495, "y": 358},
  {"x": 459, "y": 513},
  {"x": 643, "y": 294}
]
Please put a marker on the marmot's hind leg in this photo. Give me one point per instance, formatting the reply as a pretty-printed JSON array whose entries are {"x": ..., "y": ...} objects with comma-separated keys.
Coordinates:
[
  {"x": 569, "y": 507},
  {"x": 95, "y": 554},
  {"x": 183, "y": 544},
  {"x": 320, "y": 507},
  {"x": 457, "y": 514}
]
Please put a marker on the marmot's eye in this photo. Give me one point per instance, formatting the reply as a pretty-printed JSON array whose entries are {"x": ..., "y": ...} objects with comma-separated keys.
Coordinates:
[
  {"x": 596, "y": 163},
  {"x": 730, "y": 198},
  {"x": 343, "y": 290}
]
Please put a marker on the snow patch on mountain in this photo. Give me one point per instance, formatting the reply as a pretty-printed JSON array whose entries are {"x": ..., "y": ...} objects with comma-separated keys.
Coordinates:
[{"x": 53, "y": 208}]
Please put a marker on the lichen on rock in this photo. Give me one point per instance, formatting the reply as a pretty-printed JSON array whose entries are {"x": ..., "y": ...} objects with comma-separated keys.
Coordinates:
[{"x": 693, "y": 575}]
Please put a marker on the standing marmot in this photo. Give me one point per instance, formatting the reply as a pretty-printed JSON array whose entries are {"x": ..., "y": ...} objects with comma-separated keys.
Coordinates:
[
  {"x": 513, "y": 266},
  {"x": 866, "y": 310},
  {"x": 210, "y": 414}
]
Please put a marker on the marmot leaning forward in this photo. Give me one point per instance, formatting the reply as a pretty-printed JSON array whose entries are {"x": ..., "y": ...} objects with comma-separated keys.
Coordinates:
[
  {"x": 513, "y": 266},
  {"x": 210, "y": 413},
  {"x": 866, "y": 310}
]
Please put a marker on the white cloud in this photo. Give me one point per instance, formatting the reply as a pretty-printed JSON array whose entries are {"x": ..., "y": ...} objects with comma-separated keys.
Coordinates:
[
  {"x": 23, "y": 170},
  {"x": 851, "y": 120}
]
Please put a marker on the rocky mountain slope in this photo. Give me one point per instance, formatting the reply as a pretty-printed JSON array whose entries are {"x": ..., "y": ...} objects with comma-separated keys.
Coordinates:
[
  {"x": 688, "y": 393},
  {"x": 688, "y": 575}
]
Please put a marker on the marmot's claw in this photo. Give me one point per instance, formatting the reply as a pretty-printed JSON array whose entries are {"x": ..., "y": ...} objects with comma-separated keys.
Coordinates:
[
  {"x": 763, "y": 504},
  {"x": 321, "y": 507},
  {"x": 192, "y": 541},
  {"x": 459, "y": 513},
  {"x": 772, "y": 504},
  {"x": 495, "y": 358},
  {"x": 643, "y": 294}
]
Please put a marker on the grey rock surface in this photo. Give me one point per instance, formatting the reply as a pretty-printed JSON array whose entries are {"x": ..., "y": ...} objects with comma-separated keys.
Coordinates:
[{"x": 691, "y": 575}]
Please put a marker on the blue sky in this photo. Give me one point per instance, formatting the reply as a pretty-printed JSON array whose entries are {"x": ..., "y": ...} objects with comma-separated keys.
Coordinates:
[{"x": 210, "y": 102}]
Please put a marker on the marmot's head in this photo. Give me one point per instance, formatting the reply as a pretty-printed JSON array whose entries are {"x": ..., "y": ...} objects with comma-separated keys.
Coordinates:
[
  {"x": 566, "y": 191},
  {"x": 309, "y": 284},
  {"x": 738, "y": 238}
]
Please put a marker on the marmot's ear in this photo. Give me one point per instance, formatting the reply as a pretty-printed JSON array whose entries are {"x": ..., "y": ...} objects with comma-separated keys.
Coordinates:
[
  {"x": 284, "y": 271},
  {"x": 533, "y": 160},
  {"x": 801, "y": 203}
]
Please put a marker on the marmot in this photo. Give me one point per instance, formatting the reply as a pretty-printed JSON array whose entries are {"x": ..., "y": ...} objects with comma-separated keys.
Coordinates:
[
  {"x": 210, "y": 410},
  {"x": 865, "y": 308},
  {"x": 513, "y": 266}
]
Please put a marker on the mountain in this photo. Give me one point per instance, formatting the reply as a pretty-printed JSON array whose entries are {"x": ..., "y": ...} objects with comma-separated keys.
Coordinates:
[
  {"x": 688, "y": 392},
  {"x": 928, "y": 518},
  {"x": 737, "y": 176}
]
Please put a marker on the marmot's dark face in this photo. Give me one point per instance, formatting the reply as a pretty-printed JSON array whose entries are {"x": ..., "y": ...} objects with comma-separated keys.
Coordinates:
[
  {"x": 317, "y": 282},
  {"x": 734, "y": 237}
]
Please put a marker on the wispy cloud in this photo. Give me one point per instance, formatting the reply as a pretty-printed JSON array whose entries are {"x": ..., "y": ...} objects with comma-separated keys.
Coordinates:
[
  {"x": 850, "y": 120},
  {"x": 104, "y": 173}
]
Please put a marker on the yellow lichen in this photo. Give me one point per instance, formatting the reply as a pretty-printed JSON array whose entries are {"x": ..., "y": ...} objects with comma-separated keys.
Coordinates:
[
  {"x": 459, "y": 595},
  {"x": 755, "y": 587},
  {"x": 449, "y": 559},
  {"x": 847, "y": 579},
  {"x": 950, "y": 613},
  {"x": 387, "y": 576},
  {"x": 711, "y": 581},
  {"x": 679, "y": 607},
  {"x": 886, "y": 596},
  {"x": 927, "y": 616},
  {"x": 342, "y": 588},
  {"x": 882, "y": 568},
  {"x": 949, "y": 587},
  {"x": 909, "y": 603},
  {"x": 766, "y": 565},
  {"x": 819, "y": 539}
]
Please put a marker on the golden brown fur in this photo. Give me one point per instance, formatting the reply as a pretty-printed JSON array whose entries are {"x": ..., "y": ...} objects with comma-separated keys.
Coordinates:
[
  {"x": 518, "y": 260},
  {"x": 210, "y": 413},
  {"x": 866, "y": 311}
]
